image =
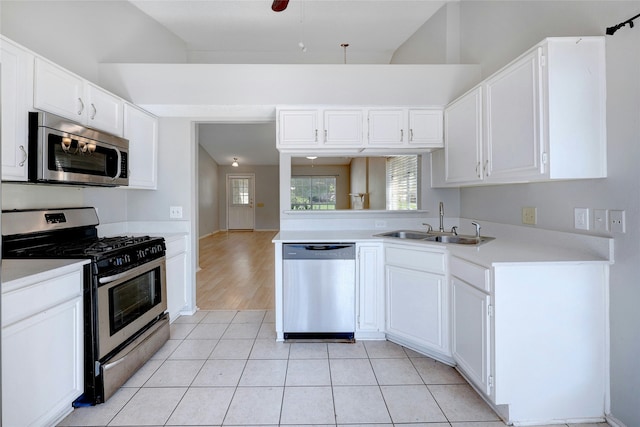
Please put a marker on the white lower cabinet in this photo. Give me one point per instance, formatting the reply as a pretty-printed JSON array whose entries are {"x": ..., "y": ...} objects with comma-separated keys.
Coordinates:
[
  {"x": 417, "y": 299},
  {"x": 176, "y": 276},
  {"x": 470, "y": 332},
  {"x": 42, "y": 349},
  {"x": 370, "y": 292}
]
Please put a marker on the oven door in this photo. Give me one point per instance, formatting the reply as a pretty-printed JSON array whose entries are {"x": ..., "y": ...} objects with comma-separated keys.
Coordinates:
[{"x": 129, "y": 301}]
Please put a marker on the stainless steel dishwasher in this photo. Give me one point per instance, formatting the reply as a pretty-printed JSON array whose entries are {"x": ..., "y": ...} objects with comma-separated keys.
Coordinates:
[{"x": 319, "y": 284}]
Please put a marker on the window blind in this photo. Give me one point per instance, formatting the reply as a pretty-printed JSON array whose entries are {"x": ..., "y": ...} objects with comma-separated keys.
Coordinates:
[{"x": 402, "y": 183}]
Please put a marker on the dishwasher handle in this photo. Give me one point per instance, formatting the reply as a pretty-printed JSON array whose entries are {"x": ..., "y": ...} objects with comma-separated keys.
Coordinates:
[
  {"x": 325, "y": 247},
  {"x": 292, "y": 251}
]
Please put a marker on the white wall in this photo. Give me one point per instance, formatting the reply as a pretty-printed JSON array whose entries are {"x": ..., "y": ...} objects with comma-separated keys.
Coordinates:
[
  {"x": 175, "y": 188},
  {"x": 236, "y": 86},
  {"x": 79, "y": 35},
  {"x": 208, "y": 215},
  {"x": 493, "y": 33}
]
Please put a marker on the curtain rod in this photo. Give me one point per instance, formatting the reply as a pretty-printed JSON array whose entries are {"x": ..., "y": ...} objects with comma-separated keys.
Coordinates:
[{"x": 612, "y": 30}]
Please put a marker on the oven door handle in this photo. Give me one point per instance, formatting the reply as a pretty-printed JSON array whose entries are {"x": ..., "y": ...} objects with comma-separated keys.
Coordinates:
[
  {"x": 113, "y": 278},
  {"x": 133, "y": 272}
]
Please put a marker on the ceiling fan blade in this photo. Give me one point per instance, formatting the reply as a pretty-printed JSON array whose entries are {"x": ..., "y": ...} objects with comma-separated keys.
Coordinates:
[{"x": 279, "y": 5}]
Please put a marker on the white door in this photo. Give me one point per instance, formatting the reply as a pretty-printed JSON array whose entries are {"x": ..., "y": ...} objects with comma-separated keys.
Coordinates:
[{"x": 240, "y": 207}]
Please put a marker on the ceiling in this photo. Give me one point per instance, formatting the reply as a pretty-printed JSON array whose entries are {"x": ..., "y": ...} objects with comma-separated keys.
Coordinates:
[{"x": 248, "y": 31}]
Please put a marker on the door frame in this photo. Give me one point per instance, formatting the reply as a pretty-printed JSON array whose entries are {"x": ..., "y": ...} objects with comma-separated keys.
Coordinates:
[{"x": 252, "y": 177}]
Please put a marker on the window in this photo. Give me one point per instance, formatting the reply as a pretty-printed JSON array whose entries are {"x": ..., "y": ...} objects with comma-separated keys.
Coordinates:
[
  {"x": 313, "y": 192},
  {"x": 240, "y": 191},
  {"x": 402, "y": 183}
]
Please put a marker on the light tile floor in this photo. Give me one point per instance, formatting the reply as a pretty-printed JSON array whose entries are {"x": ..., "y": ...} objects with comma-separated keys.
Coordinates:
[{"x": 224, "y": 368}]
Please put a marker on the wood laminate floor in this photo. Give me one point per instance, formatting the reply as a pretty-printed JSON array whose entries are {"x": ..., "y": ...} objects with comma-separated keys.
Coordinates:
[{"x": 237, "y": 271}]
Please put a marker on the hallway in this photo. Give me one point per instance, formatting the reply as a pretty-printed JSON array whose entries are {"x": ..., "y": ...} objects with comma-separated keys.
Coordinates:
[{"x": 237, "y": 271}]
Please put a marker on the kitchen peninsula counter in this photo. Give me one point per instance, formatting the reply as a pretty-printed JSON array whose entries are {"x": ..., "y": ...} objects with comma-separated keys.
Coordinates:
[{"x": 512, "y": 244}]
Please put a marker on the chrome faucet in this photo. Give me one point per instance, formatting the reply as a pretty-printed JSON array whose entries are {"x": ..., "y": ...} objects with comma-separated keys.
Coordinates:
[
  {"x": 429, "y": 227},
  {"x": 441, "y": 217},
  {"x": 477, "y": 228}
]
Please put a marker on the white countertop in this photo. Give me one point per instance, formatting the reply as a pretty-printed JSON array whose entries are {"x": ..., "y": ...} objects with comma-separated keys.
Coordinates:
[
  {"x": 16, "y": 271},
  {"x": 509, "y": 246}
]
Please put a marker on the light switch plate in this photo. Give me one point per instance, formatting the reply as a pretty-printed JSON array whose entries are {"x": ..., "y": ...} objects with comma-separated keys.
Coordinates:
[
  {"x": 601, "y": 220},
  {"x": 529, "y": 216},
  {"x": 581, "y": 218}
]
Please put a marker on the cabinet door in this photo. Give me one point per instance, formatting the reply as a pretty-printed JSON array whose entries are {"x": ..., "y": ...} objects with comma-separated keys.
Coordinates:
[
  {"x": 415, "y": 307},
  {"x": 16, "y": 79},
  {"x": 463, "y": 139},
  {"x": 176, "y": 285},
  {"x": 105, "y": 110},
  {"x": 298, "y": 128},
  {"x": 141, "y": 129},
  {"x": 513, "y": 134},
  {"x": 42, "y": 365},
  {"x": 470, "y": 330},
  {"x": 59, "y": 92},
  {"x": 370, "y": 289},
  {"x": 387, "y": 127},
  {"x": 425, "y": 128},
  {"x": 342, "y": 128}
]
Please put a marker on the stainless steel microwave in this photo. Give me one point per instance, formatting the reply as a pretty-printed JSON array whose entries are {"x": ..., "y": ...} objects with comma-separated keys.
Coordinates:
[{"x": 65, "y": 152}]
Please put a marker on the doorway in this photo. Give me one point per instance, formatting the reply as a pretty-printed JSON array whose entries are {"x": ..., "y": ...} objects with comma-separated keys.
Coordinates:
[{"x": 240, "y": 205}]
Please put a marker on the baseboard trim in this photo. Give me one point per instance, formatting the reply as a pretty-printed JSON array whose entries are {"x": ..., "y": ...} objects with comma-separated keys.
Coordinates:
[{"x": 613, "y": 421}]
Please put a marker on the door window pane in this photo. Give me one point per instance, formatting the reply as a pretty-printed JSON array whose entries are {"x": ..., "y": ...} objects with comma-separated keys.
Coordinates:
[{"x": 240, "y": 191}]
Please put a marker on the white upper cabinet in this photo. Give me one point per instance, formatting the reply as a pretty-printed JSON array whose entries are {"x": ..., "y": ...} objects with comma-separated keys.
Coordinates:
[
  {"x": 298, "y": 128},
  {"x": 387, "y": 127},
  {"x": 543, "y": 118},
  {"x": 342, "y": 127},
  {"x": 141, "y": 129},
  {"x": 425, "y": 127},
  {"x": 513, "y": 128},
  {"x": 105, "y": 111},
  {"x": 17, "y": 97},
  {"x": 354, "y": 129},
  {"x": 320, "y": 127},
  {"x": 406, "y": 128},
  {"x": 463, "y": 138},
  {"x": 61, "y": 92}
]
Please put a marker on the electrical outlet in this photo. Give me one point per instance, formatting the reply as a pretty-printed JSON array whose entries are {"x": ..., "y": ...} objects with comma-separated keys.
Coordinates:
[
  {"x": 175, "y": 212},
  {"x": 601, "y": 220},
  {"x": 529, "y": 216},
  {"x": 617, "y": 220},
  {"x": 581, "y": 218}
]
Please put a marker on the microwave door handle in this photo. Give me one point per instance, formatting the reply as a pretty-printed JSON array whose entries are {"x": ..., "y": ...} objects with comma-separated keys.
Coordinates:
[{"x": 119, "y": 171}]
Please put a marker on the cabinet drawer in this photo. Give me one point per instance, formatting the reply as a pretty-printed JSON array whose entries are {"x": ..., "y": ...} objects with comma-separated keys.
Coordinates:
[
  {"x": 475, "y": 275},
  {"x": 35, "y": 298},
  {"x": 416, "y": 259},
  {"x": 175, "y": 247}
]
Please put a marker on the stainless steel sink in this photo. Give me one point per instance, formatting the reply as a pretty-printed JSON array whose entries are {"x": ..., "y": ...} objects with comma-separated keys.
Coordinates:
[
  {"x": 403, "y": 234},
  {"x": 436, "y": 237}
]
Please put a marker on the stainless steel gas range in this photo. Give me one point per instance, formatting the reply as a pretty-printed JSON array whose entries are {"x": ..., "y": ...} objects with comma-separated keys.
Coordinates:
[{"x": 125, "y": 296}]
